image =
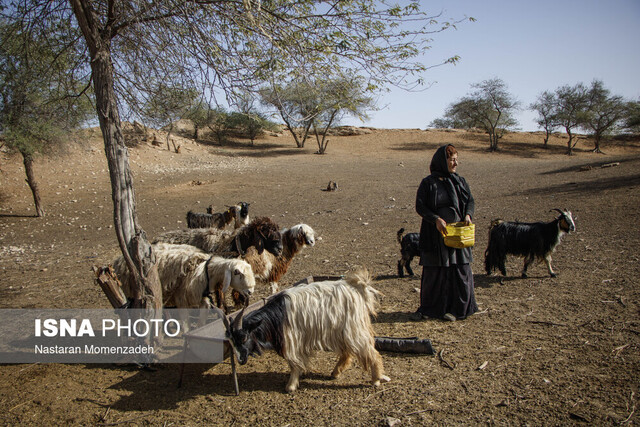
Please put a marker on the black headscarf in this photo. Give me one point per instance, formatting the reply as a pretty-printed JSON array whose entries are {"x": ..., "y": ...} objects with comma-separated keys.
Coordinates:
[{"x": 453, "y": 182}]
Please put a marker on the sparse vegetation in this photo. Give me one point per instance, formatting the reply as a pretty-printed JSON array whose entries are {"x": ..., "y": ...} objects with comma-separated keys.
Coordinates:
[{"x": 489, "y": 107}]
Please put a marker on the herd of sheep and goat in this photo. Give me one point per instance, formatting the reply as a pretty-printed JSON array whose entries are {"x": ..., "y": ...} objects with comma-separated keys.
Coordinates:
[{"x": 199, "y": 265}]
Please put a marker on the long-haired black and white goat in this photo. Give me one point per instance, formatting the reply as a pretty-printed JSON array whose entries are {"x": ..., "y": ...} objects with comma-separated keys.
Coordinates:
[
  {"x": 297, "y": 322},
  {"x": 191, "y": 278},
  {"x": 409, "y": 248},
  {"x": 535, "y": 240},
  {"x": 262, "y": 233},
  {"x": 239, "y": 214}
]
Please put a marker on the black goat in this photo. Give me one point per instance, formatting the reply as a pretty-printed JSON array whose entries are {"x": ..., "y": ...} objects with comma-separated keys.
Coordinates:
[
  {"x": 528, "y": 240},
  {"x": 408, "y": 249},
  {"x": 219, "y": 220}
]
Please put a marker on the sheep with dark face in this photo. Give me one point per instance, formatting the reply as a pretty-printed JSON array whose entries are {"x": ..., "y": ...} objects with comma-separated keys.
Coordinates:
[
  {"x": 262, "y": 233},
  {"x": 297, "y": 322},
  {"x": 409, "y": 248},
  {"x": 532, "y": 241}
]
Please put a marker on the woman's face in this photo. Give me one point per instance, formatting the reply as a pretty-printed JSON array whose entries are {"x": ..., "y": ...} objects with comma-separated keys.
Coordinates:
[{"x": 452, "y": 163}]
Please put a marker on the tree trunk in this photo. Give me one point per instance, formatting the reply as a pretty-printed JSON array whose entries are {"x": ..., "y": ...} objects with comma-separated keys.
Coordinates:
[
  {"x": 169, "y": 136},
  {"x": 33, "y": 185},
  {"x": 569, "y": 146},
  {"x": 597, "y": 138},
  {"x": 546, "y": 138},
  {"x": 132, "y": 239}
]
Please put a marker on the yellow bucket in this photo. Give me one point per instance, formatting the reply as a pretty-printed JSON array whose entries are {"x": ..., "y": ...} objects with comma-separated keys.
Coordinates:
[{"x": 459, "y": 235}]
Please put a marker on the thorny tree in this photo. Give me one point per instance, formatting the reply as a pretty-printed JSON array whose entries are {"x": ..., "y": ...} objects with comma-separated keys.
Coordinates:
[
  {"x": 37, "y": 110},
  {"x": 545, "y": 107},
  {"x": 489, "y": 107},
  {"x": 225, "y": 46}
]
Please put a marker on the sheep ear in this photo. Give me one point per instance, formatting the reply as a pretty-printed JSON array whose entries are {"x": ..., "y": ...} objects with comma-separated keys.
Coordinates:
[
  {"x": 236, "y": 272},
  {"x": 227, "y": 281},
  {"x": 260, "y": 246}
]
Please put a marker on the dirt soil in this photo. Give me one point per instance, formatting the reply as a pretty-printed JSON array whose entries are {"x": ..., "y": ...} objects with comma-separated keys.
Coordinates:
[{"x": 541, "y": 350}]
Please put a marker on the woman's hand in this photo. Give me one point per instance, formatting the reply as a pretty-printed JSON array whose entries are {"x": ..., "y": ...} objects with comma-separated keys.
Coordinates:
[
  {"x": 441, "y": 225},
  {"x": 467, "y": 220}
]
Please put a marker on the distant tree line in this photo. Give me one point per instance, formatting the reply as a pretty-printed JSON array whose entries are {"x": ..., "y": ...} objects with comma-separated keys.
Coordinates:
[{"x": 592, "y": 109}]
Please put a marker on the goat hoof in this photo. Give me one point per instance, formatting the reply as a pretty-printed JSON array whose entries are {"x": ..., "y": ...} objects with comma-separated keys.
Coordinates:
[
  {"x": 553, "y": 275},
  {"x": 524, "y": 275},
  {"x": 383, "y": 379}
]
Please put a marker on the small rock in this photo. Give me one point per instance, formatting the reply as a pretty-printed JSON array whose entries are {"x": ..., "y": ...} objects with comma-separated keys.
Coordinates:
[{"x": 391, "y": 421}]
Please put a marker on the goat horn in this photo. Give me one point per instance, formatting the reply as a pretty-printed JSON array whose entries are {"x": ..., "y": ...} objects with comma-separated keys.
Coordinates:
[
  {"x": 556, "y": 209},
  {"x": 237, "y": 322}
]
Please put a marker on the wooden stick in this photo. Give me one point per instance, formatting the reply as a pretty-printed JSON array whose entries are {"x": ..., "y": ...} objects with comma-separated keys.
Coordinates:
[
  {"x": 419, "y": 412},
  {"x": 633, "y": 410},
  {"x": 233, "y": 371},
  {"x": 543, "y": 322},
  {"x": 447, "y": 364},
  {"x": 123, "y": 421}
]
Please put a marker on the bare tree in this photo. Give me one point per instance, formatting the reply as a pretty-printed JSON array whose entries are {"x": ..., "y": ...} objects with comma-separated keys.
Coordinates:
[{"x": 226, "y": 45}]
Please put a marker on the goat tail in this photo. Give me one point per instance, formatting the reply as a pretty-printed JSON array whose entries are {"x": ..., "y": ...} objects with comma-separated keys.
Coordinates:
[
  {"x": 361, "y": 280},
  {"x": 400, "y": 234},
  {"x": 494, "y": 254}
]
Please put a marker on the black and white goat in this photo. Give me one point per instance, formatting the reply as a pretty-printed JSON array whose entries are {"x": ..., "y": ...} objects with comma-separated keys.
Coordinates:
[
  {"x": 297, "y": 322},
  {"x": 409, "y": 248},
  {"x": 262, "y": 233},
  {"x": 535, "y": 240},
  {"x": 239, "y": 214}
]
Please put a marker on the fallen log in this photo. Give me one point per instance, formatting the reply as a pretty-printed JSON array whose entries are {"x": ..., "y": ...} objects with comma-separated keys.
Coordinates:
[{"x": 404, "y": 345}]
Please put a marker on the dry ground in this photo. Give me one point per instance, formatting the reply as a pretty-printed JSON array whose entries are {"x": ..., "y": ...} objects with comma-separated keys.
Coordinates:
[{"x": 554, "y": 351}]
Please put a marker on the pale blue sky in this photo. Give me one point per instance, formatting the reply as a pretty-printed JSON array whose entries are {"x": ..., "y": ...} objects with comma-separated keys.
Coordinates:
[{"x": 531, "y": 45}]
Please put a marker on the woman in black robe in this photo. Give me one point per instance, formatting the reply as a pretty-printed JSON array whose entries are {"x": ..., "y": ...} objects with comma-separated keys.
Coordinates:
[{"x": 447, "y": 290}]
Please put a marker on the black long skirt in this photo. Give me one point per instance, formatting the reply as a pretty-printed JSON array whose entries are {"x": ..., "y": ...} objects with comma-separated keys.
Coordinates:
[{"x": 447, "y": 290}]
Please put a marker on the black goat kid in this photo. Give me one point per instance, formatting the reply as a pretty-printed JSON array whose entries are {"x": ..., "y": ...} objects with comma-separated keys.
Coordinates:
[
  {"x": 535, "y": 240},
  {"x": 408, "y": 249}
]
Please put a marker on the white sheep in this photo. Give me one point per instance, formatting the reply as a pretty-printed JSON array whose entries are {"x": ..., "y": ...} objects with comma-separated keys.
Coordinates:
[{"x": 190, "y": 276}]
